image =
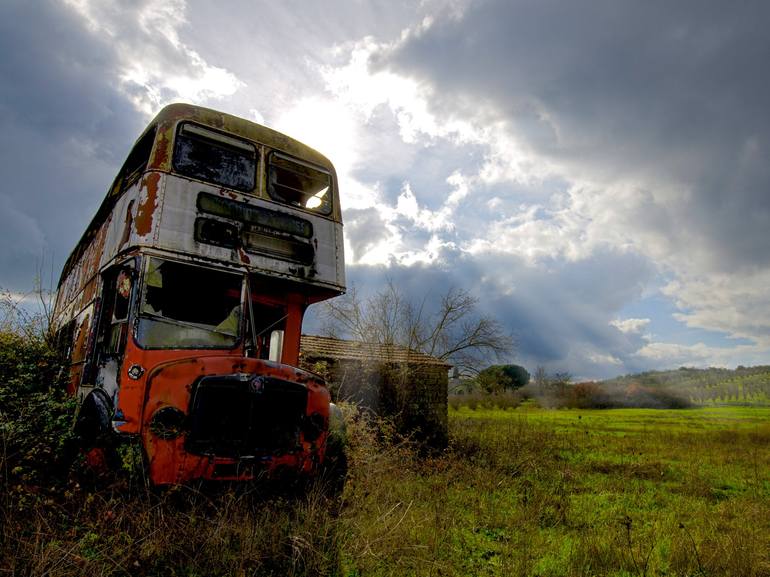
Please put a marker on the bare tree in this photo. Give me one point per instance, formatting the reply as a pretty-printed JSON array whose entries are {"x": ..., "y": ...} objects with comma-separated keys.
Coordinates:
[
  {"x": 451, "y": 329},
  {"x": 540, "y": 378},
  {"x": 28, "y": 314}
]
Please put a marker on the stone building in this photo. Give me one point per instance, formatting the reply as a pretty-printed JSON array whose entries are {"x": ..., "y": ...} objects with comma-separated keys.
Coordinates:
[{"x": 389, "y": 379}]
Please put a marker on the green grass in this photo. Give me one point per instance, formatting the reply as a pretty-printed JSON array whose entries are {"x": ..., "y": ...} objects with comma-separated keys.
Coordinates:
[
  {"x": 521, "y": 491},
  {"x": 630, "y": 420},
  {"x": 619, "y": 492}
]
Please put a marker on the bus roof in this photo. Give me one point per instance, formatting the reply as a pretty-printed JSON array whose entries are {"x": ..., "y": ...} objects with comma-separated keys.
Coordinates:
[{"x": 169, "y": 116}]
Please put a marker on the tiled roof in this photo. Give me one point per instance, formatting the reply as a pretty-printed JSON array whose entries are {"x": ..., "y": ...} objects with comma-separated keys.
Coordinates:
[{"x": 312, "y": 346}]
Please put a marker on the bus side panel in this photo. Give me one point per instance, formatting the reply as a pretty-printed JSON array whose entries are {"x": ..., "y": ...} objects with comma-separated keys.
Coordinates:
[
  {"x": 119, "y": 234},
  {"x": 339, "y": 251},
  {"x": 81, "y": 287}
]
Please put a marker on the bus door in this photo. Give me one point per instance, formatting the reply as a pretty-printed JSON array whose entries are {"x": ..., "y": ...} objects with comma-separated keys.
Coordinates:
[{"x": 119, "y": 286}]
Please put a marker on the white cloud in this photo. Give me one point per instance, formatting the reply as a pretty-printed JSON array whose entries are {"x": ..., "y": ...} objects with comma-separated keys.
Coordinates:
[
  {"x": 729, "y": 303},
  {"x": 648, "y": 168},
  {"x": 604, "y": 359},
  {"x": 631, "y": 326},
  {"x": 665, "y": 355},
  {"x": 360, "y": 85},
  {"x": 156, "y": 67},
  {"x": 326, "y": 124}
]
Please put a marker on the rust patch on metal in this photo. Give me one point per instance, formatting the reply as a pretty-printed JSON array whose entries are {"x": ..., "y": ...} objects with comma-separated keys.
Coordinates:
[
  {"x": 244, "y": 257},
  {"x": 79, "y": 350},
  {"x": 89, "y": 291},
  {"x": 75, "y": 375},
  {"x": 147, "y": 207},
  {"x": 160, "y": 158},
  {"x": 228, "y": 193},
  {"x": 98, "y": 246},
  {"x": 127, "y": 226}
]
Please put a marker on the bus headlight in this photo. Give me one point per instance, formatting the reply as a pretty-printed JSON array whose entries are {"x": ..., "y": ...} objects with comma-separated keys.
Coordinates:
[
  {"x": 313, "y": 426},
  {"x": 168, "y": 423},
  {"x": 136, "y": 371}
]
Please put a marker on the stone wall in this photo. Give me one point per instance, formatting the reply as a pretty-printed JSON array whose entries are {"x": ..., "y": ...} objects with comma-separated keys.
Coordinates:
[{"x": 415, "y": 395}]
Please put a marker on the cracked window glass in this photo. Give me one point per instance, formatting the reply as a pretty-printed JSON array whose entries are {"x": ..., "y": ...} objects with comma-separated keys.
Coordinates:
[{"x": 215, "y": 157}]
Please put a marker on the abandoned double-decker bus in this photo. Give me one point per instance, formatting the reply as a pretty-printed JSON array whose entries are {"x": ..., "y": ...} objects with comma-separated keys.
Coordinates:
[{"x": 181, "y": 307}]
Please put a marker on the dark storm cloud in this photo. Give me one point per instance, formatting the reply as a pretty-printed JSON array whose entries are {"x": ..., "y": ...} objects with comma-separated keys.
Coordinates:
[
  {"x": 65, "y": 130},
  {"x": 665, "y": 93},
  {"x": 561, "y": 314}
]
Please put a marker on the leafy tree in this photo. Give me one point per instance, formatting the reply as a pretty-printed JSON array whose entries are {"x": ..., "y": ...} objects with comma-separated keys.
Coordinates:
[
  {"x": 493, "y": 380},
  {"x": 502, "y": 378},
  {"x": 519, "y": 375}
]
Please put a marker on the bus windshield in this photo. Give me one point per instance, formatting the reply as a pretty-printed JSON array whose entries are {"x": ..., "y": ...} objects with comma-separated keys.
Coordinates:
[{"x": 186, "y": 306}]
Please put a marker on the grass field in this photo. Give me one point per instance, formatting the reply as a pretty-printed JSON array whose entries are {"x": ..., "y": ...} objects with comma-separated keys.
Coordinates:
[
  {"x": 518, "y": 492},
  {"x": 615, "y": 492}
]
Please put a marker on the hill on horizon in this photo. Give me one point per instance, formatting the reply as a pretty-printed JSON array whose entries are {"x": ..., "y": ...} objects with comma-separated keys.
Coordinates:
[{"x": 712, "y": 386}]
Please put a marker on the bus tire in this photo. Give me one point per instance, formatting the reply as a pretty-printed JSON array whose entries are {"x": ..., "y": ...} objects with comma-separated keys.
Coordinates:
[{"x": 94, "y": 434}]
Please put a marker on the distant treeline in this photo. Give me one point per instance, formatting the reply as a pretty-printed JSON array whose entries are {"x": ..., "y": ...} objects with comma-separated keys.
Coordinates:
[
  {"x": 676, "y": 389},
  {"x": 712, "y": 386}
]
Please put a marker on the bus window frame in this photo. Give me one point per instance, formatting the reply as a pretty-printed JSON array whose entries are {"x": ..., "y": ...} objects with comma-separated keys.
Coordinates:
[
  {"x": 302, "y": 162},
  {"x": 223, "y": 144},
  {"x": 123, "y": 325},
  {"x": 262, "y": 341},
  {"x": 126, "y": 178}
]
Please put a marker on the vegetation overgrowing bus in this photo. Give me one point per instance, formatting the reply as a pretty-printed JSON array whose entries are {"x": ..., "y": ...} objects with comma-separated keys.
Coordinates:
[{"x": 181, "y": 307}]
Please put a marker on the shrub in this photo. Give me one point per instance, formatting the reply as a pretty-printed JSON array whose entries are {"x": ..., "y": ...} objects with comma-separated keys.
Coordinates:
[
  {"x": 586, "y": 396},
  {"x": 503, "y": 400},
  {"x": 35, "y": 410}
]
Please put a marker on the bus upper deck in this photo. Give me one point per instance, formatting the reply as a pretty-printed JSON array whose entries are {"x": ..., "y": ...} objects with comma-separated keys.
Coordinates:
[{"x": 209, "y": 186}]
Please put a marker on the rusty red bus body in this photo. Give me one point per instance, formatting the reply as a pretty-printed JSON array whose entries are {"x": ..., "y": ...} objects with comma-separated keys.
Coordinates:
[{"x": 181, "y": 307}]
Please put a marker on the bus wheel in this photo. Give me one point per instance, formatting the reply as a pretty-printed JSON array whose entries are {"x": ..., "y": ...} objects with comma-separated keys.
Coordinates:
[{"x": 94, "y": 434}]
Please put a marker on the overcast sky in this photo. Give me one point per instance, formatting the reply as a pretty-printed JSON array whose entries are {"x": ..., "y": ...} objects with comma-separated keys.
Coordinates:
[{"x": 596, "y": 172}]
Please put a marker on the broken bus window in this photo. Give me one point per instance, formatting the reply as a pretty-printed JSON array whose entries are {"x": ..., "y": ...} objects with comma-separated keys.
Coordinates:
[
  {"x": 186, "y": 306},
  {"x": 299, "y": 184}
]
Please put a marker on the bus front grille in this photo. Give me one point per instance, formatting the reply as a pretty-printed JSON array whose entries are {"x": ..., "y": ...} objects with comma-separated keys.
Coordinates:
[{"x": 243, "y": 415}]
